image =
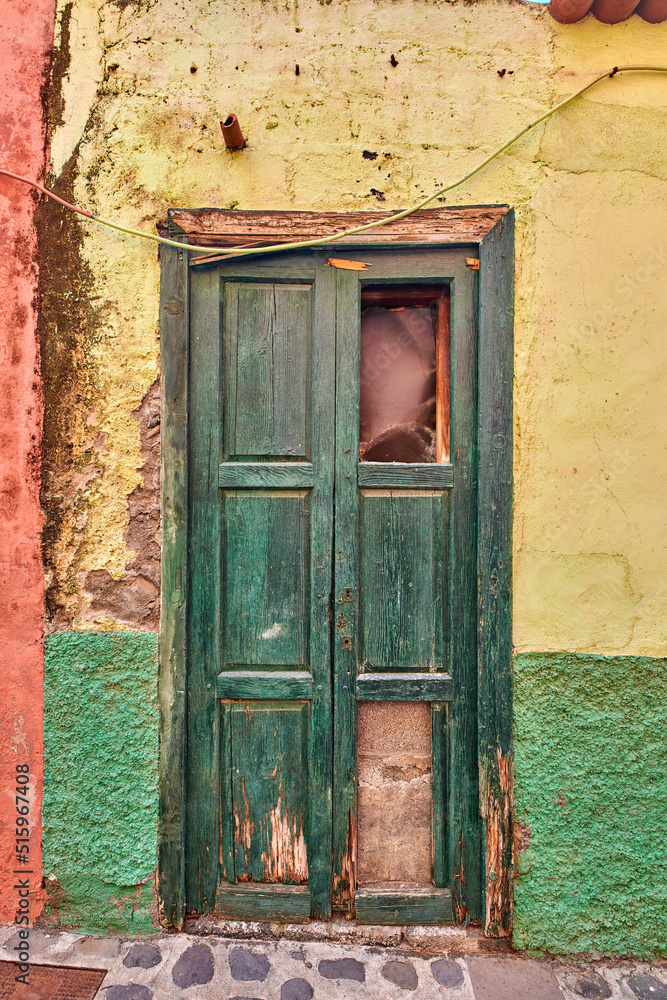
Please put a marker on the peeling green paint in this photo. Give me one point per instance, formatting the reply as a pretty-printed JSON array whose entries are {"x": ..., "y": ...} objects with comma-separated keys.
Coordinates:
[
  {"x": 591, "y": 793},
  {"x": 100, "y": 799}
]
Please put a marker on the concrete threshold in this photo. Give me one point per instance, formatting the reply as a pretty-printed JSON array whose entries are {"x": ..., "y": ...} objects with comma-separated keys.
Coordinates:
[{"x": 453, "y": 940}]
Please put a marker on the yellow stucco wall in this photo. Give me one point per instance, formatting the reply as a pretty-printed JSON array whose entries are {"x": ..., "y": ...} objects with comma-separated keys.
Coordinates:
[{"x": 589, "y": 187}]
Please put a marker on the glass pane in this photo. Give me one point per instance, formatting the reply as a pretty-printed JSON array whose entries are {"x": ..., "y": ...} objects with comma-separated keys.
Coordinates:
[{"x": 398, "y": 384}]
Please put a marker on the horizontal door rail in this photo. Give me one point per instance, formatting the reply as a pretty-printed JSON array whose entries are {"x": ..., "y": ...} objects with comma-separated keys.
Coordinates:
[
  {"x": 265, "y": 901},
  {"x": 404, "y": 687},
  {"x": 404, "y": 906},
  {"x": 406, "y": 475},
  {"x": 255, "y": 475},
  {"x": 240, "y": 685}
]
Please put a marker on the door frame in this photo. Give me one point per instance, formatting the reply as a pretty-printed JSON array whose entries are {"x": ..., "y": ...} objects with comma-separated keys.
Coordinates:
[{"x": 486, "y": 233}]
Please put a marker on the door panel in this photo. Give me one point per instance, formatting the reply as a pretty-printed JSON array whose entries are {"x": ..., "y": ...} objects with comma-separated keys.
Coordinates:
[
  {"x": 269, "y": 764},
  {"x": 402, "y": 576},
  {"x": 266, "y": 574},
  {"x": 267, "y": 337}
]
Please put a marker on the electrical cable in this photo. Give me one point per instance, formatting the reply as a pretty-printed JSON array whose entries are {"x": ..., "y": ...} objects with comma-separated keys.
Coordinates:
[{"x": 221, "y": 254}]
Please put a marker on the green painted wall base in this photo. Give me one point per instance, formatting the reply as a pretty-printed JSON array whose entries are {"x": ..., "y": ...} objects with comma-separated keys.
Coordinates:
[
  {"x": 101, "y": 785},
  {"x": 591, "y": 790}
]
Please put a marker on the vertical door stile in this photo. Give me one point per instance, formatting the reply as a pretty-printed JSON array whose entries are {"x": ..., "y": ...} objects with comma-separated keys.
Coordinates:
[
  {"x": 205, "y": 429},
  {"x": 321, "y": 718},
  {"x": 345, "y": 604},
  {"x": 464, "y": 822}
]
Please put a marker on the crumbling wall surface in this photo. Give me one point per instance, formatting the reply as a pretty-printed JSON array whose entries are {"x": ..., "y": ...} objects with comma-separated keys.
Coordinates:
[
  {"x": 394, "y": 842},
  {"x": 100, "y": 789},
  {"x": 591, "y": 798},
  {"x": 391, "y": 99},
  {"x": 26, "y": 40}
]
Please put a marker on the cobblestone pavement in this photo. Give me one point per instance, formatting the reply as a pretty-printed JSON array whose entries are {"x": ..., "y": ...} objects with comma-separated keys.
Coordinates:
[{"x": 169, "y": 967}]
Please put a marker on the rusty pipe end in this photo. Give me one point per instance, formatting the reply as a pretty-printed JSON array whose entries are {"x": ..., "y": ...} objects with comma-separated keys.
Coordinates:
[{"x": 231, "y": 133}]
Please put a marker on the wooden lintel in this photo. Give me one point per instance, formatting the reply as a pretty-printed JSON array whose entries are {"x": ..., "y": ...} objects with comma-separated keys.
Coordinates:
[{"x": 224, "y": 228}]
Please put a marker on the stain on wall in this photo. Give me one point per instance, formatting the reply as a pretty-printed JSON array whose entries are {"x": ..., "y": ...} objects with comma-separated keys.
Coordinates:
[
  {"x": 591, "y": 800},
  {"x": 100, "y": 798},
  {"x": 134, "y": 599}
]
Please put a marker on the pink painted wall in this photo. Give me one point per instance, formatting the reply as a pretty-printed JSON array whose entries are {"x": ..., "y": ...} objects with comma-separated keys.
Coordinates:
[{"x": 26, "y": 40}]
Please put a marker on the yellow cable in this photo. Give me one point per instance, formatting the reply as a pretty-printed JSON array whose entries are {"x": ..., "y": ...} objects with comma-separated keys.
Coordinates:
[{"x": 221, "y": 253}]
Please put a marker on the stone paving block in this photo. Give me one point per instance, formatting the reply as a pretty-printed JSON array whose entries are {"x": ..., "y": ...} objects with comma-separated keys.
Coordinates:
[
  {"x": 194, "y": 967},
  {"x": 142, "y": 956},
  {"x": 512, "y": 979},
  {"x": 38, "y": 941},
  {"x": 447, "y": 972},
  {"x": 130, "y": 992},
  {"x": 296, "y": 989},
  {"x": 647, "y": 987},
  {"x": 100, "y": 947},
  {"x": 342, "y": 968},
  {"x": 248, "y": 966},
  {"x": 622, "y": 979},
  {"x": 401, "y": 974}
]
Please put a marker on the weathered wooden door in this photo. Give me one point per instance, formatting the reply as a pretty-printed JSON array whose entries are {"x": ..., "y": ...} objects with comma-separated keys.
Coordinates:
[{"x": 331, "y": 598}]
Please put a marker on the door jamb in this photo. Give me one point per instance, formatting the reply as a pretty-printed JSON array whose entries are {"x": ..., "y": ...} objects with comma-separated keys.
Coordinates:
[{"x": 494, "y": 554}]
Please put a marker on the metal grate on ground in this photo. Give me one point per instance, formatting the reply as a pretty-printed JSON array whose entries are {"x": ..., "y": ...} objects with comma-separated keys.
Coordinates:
[{"x": 50, "y": 982}]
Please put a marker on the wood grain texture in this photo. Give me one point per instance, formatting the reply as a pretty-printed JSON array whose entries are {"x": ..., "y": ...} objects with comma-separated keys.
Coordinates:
[
  {"x": 276, "y": 547},
  {"x": 257, "y": 475},
  {"x": 279, "y": 684},
  {"x": 269, "y": 776},
  {"x": 321, "y": 579},
  {"x": 282, "y": 903},
  {"x": 172, "y": 657},
  {"x": 348, "y": 316},
  {"x": 220, "y": 227},
  {"x": 440, "y": 788},
  {"x": 405, "y": 475},
  {"x": 226, "y": 798},
  {"x": 266, "y": 570},
  {"x": 267, "y": 338},
  {"x": 404, "y": 906},
  {"x": 495, "y": 569},
  {"x": 204, "y": 444},
  {"x": 402, "y": 568},
  {"x": 404, "y": 687},
  {"x": 465, "y": 862}
]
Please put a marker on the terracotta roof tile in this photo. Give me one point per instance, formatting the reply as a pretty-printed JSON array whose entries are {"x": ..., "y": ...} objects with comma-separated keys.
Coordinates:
[{"x": 608, "y": 11}]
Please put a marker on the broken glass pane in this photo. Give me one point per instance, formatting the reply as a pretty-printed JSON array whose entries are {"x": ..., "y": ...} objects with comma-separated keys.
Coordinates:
[{"x": 398, "y": 384}]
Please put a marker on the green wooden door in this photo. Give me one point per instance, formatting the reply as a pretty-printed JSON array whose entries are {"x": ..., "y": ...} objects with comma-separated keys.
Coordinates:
[{"x": 316, "y": 582}]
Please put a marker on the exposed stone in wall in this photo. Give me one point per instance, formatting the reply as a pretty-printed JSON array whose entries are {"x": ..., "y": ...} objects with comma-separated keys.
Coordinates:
[
  {"x": 394, "y": 813},
  {"x": 134, "y": 599}
]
